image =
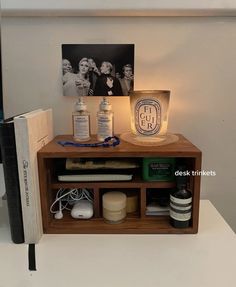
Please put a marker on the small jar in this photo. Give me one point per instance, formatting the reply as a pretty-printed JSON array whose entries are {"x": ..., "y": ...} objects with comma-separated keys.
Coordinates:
[
  {"x": 114, "y": 207},
  {"x": 132, "y": 202}
]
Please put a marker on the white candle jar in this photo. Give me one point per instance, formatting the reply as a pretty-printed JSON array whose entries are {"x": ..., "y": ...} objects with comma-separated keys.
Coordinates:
[
  {"x": 114, "y": 207},
  {"x": 149, "y": 114}
]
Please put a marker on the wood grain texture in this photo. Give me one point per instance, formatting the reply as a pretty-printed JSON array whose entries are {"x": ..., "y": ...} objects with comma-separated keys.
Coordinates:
[
  {"x": 130, "y": 226},
  {"x": 137, "y": 223},
  {"x": 113, "y": 184},
  {"x": 181, "y": 148}
]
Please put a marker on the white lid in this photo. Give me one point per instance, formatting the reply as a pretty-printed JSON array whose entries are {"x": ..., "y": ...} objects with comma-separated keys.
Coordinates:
[
  {"x": 114, "y": 200},
  {"x": 80, "y": 105},
  {"x": 105, "y": 105}
]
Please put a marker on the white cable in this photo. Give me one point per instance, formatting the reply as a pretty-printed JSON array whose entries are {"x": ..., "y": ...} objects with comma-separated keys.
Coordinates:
[
  {"x": 73, "y": 195},
  {"x": 58, "y": 198}
]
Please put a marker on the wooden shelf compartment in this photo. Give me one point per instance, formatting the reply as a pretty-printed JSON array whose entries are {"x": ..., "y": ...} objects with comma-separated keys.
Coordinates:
[
  {"x": 157, "y": 225},
  {"x": 137, "y": 223},
  {"x": 181, "y": 148},
  {"x": 112, "y": 184}
]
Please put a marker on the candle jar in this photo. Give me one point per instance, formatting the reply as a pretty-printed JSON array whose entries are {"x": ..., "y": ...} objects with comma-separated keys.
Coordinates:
[
  {"x": 132, "y": 202},
  {"x": 149, "y": 114},
  {"x": 114, "y": 207}
]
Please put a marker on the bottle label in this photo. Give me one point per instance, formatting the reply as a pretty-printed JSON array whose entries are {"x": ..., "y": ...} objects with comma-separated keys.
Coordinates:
[
  {"x": 180, "y": 216},
  {"x": 148, "y": 116},
  {"x": 180, "y": 209},
  {"x": 160, "y": 169},
  {"x": 81, "y": 127},
  {"x": 180, "y": 201},
  {"x": 105, "y": 126}
]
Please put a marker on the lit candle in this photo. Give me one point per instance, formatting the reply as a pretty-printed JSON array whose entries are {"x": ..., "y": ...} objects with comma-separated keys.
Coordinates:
[{"x": 149, "y": 113}]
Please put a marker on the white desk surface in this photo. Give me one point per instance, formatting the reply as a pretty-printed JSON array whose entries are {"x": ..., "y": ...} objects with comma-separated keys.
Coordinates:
[{"x": 207, "y": 259}]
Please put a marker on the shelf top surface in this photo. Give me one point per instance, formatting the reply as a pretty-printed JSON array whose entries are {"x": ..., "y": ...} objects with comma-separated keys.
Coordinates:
[{"x": 182, "y": 147}]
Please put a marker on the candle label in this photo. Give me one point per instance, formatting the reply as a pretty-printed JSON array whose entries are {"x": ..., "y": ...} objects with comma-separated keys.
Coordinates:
[{"x": 148, "y": 116}]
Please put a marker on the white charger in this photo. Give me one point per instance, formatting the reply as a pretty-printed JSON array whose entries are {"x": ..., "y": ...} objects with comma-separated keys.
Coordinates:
[{"x": 83, "y": 209}]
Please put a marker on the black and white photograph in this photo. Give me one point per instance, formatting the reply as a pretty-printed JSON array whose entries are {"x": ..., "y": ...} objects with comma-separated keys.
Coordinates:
[{"x": 97, "y": 69}]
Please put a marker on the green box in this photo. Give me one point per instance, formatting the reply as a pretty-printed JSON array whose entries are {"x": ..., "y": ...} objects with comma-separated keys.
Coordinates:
[{"x": 159, "y": 169}]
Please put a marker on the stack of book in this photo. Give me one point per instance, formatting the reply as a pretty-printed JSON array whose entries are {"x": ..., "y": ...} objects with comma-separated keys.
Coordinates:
[{"x": 21, "y": 137}]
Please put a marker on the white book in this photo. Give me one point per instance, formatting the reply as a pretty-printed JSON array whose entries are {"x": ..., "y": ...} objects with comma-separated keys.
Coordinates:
[{"x": 32, "y": 131}]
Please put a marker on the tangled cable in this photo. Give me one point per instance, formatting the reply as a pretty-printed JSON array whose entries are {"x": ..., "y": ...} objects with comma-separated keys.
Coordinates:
[{"x": 67, "y": 198}]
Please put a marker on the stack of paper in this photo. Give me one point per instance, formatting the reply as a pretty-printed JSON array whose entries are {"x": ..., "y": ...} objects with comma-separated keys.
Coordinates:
[{"x": 155, "y": 209}]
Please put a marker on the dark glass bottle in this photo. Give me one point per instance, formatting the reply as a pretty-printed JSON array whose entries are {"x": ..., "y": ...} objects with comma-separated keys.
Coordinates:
[{"x": 181, "y": 204}]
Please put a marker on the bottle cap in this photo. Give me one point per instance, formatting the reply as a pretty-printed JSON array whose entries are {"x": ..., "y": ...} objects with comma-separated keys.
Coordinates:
[
  {"x": 105, "y": 105},
  {"x": 80, "y": 105}
]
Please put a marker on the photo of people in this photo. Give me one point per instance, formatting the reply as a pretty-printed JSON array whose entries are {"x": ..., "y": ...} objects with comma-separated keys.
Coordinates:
[{"x": 97, "y": 69}]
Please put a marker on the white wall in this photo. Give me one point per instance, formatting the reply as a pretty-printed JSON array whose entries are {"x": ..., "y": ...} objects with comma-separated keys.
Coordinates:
[
  {"x": 121, "y": 7},
  {"x": 193, "y": 57}
]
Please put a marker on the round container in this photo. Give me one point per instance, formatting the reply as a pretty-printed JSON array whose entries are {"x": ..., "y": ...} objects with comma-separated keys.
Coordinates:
[
  {"x": 132, "y": 202},
  {"x": 114, "y": 207}
]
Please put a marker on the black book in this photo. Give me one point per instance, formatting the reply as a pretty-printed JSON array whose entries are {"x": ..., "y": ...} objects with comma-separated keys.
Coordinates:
[{"x": 10, "y": 168}]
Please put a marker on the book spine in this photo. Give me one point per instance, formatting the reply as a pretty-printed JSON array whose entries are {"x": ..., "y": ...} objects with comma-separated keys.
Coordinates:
[
  {"x": 10, "y": 168},
  {"x": 31, "y": 221}
]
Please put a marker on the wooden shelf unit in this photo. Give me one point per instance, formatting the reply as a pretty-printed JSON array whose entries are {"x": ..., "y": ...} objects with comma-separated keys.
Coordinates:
[{"x": 135, "y": 223}]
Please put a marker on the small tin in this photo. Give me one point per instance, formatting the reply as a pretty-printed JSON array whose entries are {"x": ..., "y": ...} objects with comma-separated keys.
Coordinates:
[{"x": 159, "y": 169}]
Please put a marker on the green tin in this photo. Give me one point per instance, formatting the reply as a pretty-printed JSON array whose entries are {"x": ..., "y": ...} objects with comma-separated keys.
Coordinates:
[{"x": 159, "y": 169}]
